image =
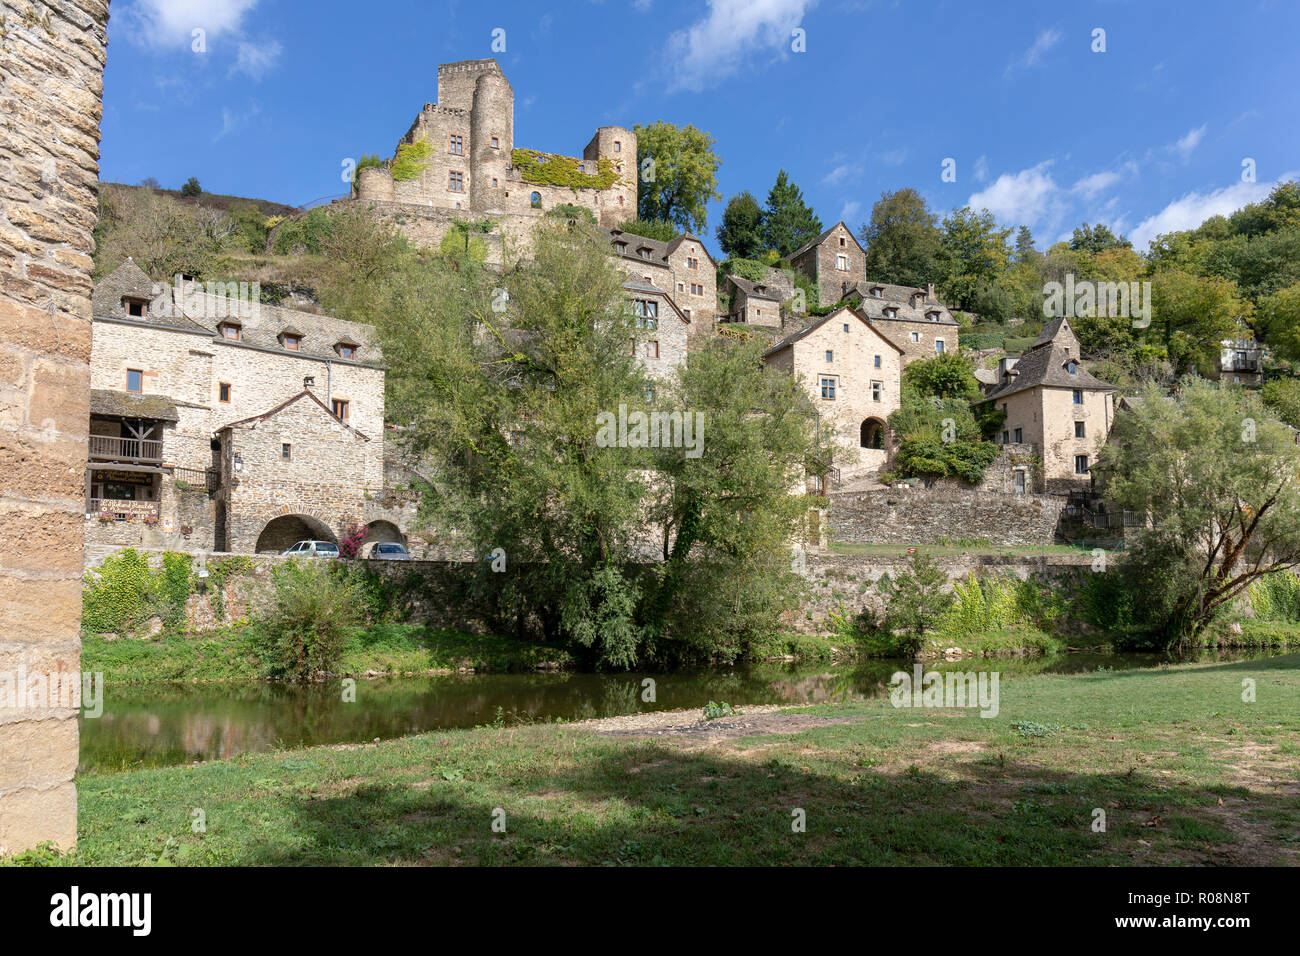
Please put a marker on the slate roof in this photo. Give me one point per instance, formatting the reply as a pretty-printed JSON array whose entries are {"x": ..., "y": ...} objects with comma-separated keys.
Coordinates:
[
  {"x": 260, "y": 326},
  {"x": 754, "y": 290},
  {"x": 1046, "y": 364},
  {"x": 809, "y": 329},
  {"x": 105, "y": 401},
  {"x": 899, "y": 297}
]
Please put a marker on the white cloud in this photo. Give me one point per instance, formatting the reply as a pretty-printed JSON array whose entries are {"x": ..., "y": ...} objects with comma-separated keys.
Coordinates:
[
  {"x": 733, "y": 33},
  {"x": 1025, "y": 197},
  {"x": 255, "y": 59},
  {"x": 169, "y": 23},
  {"x": 232, "y": 121},
  {"x": 894, "y": 157},
  {"x": 1034, "y": 55},
  {"x": 981, "y": 173},
  {"x": 1194, "y": 208},
  {"x": 1189, "y": 142},
  {"x": 842, "y": 174},
  {"x": 1097, "y": 183},
  {"x": 850, "y": 211},
  {"x": 643, "y": 6}
]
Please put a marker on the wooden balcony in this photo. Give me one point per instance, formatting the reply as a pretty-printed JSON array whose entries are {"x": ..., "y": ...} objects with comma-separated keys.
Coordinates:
[{"x": 136, "y": 450}]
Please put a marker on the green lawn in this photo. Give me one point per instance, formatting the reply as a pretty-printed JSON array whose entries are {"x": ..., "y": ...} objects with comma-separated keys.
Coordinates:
[{"x": 1184, "y": 769}]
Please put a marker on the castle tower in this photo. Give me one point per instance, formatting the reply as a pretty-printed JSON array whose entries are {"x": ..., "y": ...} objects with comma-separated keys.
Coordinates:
[
  {"x": 617, "y": 144},
  {"x": 492, "y": 138},
  {"x": 458, "y": 81}
]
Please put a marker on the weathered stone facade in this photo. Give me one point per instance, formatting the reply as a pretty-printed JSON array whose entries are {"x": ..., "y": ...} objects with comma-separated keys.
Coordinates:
[
  {"x": 177, "y": 377},
  {"x": 913, "y": 318},
  {"x": 852, "y": 375},
  {"x": 51, "y": 68},
  {"x": 834, "y": 261},
  {"x": 683, "y": 269},
  {"x": 662, "y": 336},
  {"x": 470, "y": 171}
]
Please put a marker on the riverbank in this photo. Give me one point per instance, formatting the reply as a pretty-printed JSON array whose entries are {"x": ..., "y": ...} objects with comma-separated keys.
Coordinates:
[{"x": 1184, "y": 769}]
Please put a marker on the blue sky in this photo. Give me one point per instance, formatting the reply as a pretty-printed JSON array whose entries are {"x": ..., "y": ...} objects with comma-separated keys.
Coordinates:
[{"x": 1148, "y": 136}]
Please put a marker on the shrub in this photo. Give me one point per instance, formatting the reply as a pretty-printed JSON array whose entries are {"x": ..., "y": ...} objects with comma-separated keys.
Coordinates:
[
  {"x": 1276, "y": 597},
  {"x": 914, "y": 601},
  {"x": 569, "y": 211},
  {"x": 650, "y": 229},
  {"x": 314, "y": 605},
  {"x": 125, "y": 592}
]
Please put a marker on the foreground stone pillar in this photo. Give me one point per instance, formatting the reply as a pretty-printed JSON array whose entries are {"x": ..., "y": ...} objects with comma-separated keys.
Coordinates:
[{"x": 51, "y": 69}]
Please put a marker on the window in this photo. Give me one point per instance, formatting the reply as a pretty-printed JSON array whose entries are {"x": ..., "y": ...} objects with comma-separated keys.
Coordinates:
[
  {"x": 876, "y": 361},
  {"x": 339, "y": 406},
  {"x": 1078, "y": 396},
  {"x": 1073, "y": 368},
  {"x": 496, "y": 142},
  {"x": 938, "y": 346},
  {"x": 494, "y": 182},
  {"x": 830, "y": 356},
  {"x": 692, "y": 263},
  {"x": 223, "y": 392},
  {"x": 618, "y": 147},
  {"x": 646, "y": 312},
  {"x": 841, "y": 240},
  {"x": 535, "y": 200},
  {"x": 136, "y": 307},
  {"x": 828, "y": 386},
  {"x": 291, "y": 342},
  {"x": 842, "y": 262},
  {"x": 456, "y": 182},
  {"x": 643, "y": 252},
  {"x": 134, "y": 380},
  {"x": 347, "y": 351},
  {"x": 1020, "y": 436},
  {"x": 286, "y": 451},
  {"x": 1080, "y": 430},
  {"x": 652, "y": 349},
  {"x": 230, "y": 332},
  {"x": 686, "y": 312},
  {"x": 1006, "y": 437},
  {"x": 1080, "y": 464},
  {"x": 877, "y": 391},
  {"x": 697, "y": 289},
  {"x": 915, "y": 336},
  {"x": 456, "y": 146},
  {"x": 846, "y": 326}
]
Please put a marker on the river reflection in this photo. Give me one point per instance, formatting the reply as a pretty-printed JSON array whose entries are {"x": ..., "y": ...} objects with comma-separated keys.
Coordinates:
[{"x": 162, "y": 724}]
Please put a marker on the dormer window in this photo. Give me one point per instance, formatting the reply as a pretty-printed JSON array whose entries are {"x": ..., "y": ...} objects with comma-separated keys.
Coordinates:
[
  {"x": 934, "y": 316},
  {"x": 347, "y": 349},
  {"x": 1072, "y": 368},
  {"x": 136, "y": 308},
  {"x": 291, "y": 339},
  {"x": 643, "y": 252},
  {"x": 891, "y": 313},
  {"x": 229, "y": 331}
]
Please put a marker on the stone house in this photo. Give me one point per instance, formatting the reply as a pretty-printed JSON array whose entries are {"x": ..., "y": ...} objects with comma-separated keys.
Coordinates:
[
  {"x": 852, "y": 375},
  {"x": 914, "y": 318},
  {"x": 178, "y": 376},
  {"x": 473, "y": 169},
  {"x": 683, "y": 269},
  {"x": 834, "y": 261},
  {"x": 663, "y": 330},
  {"x": 754, "y": 303},
  {"x": 1056, "y": 407},
  {"x": 1241, "y": 361}
]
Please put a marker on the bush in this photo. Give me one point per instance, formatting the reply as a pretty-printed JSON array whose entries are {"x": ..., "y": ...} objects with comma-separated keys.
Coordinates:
[
  {"x": 314, "y": 605},
  {"x": 914, "y": 601},
  {"x": 984, "y": 604},
  {"x": 124, "y": 593},
  {"x": 650, "y": 229},
  {"x": 1276, "y": 597}
]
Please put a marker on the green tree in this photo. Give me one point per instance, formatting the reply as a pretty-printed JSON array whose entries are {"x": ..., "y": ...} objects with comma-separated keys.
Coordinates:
[
  {"x": 972, "y": 255},
  {"x": 1218, "y": 477},
  {"x": 741, "y": 232},
  {"x": 1279, "y": 322},
  {"x": 788, "y": 221},
  {"x": 1096, "y": 238},
  {"x": 659, "y": 229},
  {"x": 678, "y": 171},
  {"x": 1194, "y": 314},
  {"x": 1282, "y": 395},
  {"x": 915, "y": 600},
  {"x": 902, "y": 239},
  {"x": 191, "y": 188},
  {"x": 1025, "y": 251},
  {"x": 949, "y": 375}
]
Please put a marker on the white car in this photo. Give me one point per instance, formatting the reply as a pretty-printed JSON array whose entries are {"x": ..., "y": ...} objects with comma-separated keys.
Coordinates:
[
  {"x": 389, "y": 551},
  {"x": 313, "y": 549}
]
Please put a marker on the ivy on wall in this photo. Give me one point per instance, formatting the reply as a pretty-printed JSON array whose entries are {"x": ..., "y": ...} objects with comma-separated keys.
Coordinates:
[
  {"x": 545, "y": 169},
  {"x": 411, "y": 160}
]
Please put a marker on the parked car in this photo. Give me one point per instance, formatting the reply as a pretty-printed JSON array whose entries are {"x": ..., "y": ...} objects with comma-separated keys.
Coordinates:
[
  {"x": 313, "y": 549},
  {"x": 389, "y": 551}
]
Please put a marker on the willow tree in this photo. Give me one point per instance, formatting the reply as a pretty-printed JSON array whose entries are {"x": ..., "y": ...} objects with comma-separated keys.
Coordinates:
[{"x": 1217, "y": 477}]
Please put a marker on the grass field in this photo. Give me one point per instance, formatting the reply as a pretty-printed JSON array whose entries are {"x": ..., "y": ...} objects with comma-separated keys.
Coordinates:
[{"x": 1184, "y": 769}]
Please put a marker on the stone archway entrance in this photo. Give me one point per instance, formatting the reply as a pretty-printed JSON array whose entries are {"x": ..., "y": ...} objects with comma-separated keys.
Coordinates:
[
  {"x": 287, "y": 530},
  {"x": 872, "y": 434}
]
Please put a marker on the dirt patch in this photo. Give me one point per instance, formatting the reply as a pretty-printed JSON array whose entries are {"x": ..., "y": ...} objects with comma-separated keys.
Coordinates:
[{"x": 728, "y": 728}]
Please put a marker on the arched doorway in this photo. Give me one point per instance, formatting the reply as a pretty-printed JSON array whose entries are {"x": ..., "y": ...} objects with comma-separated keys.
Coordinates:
[
  {"x": 287, "y": 530},
  {"x": 872, "y": 434}
]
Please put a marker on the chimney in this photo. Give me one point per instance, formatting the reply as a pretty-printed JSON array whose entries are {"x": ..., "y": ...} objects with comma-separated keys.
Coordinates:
[{"x": 929, "y": 292}]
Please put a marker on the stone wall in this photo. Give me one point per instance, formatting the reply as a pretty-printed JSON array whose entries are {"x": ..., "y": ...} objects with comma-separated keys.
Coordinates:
[
  {"x": 51, "y": 69},
  {"x": 918, "y": 515},
  {"x": 847, "y": 581}
]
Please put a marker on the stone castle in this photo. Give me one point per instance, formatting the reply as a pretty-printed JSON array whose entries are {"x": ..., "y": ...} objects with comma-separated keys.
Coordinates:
[{"x": 459, "y": 161}]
